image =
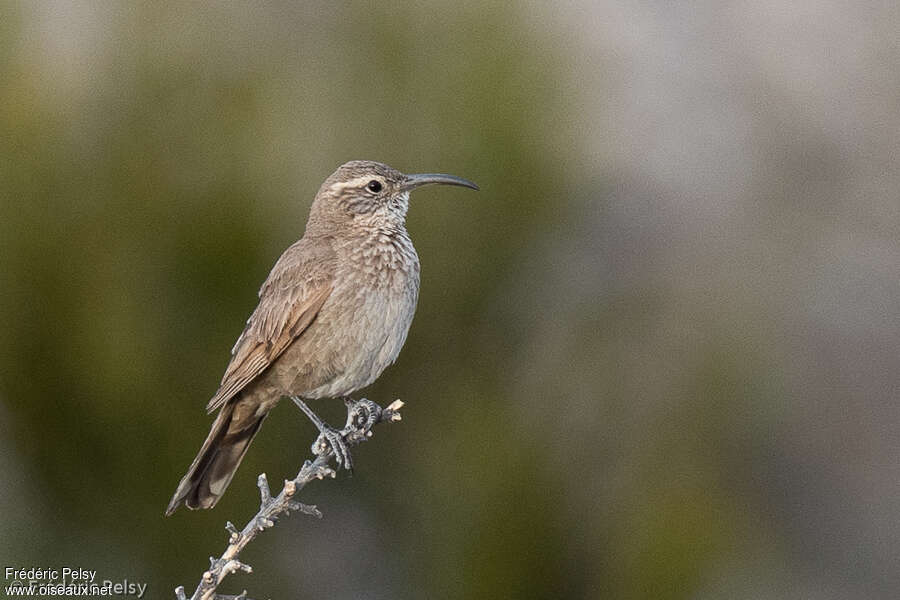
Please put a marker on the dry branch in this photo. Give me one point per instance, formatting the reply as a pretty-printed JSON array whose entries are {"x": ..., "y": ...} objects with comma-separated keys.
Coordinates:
[{"x": 361, "y": 416}]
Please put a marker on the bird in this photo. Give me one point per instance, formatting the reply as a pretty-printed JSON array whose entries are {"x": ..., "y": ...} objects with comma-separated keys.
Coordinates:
[{"x": 333, "y": 314}]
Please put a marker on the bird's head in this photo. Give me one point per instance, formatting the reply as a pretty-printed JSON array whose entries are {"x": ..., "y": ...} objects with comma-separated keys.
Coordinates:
[{"x": 370, "y": 194}]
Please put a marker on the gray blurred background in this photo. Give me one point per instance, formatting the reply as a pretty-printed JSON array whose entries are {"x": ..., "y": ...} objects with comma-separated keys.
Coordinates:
[{"x": 657, "y": 356}]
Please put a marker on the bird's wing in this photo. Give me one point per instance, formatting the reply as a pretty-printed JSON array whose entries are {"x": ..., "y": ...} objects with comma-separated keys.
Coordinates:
[{"x": 290, "y": 300}]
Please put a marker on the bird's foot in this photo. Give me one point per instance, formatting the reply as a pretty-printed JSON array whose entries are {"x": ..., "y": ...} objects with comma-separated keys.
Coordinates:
[
  {"x": 329, "y": 437},
  {"x": 362, "y": 415},
  {"x": 333, "y": 439}
]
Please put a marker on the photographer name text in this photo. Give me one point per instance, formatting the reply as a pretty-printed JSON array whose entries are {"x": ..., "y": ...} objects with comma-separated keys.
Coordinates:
[{"x": 64, "y": 581}]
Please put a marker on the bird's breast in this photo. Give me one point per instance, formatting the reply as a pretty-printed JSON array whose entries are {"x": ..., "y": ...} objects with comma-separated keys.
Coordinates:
[
  {"x": 362, "y": 326},
  {"x": 385, "y": 258}
]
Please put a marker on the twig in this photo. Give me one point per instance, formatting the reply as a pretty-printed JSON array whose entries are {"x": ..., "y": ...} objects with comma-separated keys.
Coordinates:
[{"x": 361, "y": 416}]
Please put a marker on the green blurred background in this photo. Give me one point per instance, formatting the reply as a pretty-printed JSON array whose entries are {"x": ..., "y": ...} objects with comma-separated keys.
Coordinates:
[{"x": 657, "y": 356}]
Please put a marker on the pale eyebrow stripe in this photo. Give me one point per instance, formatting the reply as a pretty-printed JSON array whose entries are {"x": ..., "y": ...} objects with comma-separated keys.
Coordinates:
[{"x": 357, "y": 182}]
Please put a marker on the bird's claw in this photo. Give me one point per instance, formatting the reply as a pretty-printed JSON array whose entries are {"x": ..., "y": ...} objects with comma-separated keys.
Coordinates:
[
  {"x": 362, "y": 415},
  {"x": 332, "y": 439}
]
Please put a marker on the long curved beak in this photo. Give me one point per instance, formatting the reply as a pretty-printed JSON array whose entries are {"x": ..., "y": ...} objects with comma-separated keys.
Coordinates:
[{"x": 420, "y": 179}]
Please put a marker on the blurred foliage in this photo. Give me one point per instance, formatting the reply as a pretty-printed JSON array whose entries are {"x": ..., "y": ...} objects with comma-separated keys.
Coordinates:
[{"x": 653, "y": 358}]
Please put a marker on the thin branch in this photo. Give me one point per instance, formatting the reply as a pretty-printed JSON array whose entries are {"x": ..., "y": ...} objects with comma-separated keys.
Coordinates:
[{"x": 361, "y": 416}]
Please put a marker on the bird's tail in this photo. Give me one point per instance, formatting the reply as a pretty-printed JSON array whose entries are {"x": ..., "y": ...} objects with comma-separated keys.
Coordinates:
[{"x": 218, "y": 459}]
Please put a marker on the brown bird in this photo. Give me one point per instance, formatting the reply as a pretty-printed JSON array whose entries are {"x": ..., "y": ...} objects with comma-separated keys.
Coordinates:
[{"x": 332, "y": 315}]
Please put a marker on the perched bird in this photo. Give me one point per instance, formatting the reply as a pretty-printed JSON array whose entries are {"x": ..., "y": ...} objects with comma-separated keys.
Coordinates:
[{"x": 332, "y": 315}]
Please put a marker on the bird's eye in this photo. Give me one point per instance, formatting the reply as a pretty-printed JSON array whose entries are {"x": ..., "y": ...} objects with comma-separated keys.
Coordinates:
[{"x": 374, "y": 186}]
